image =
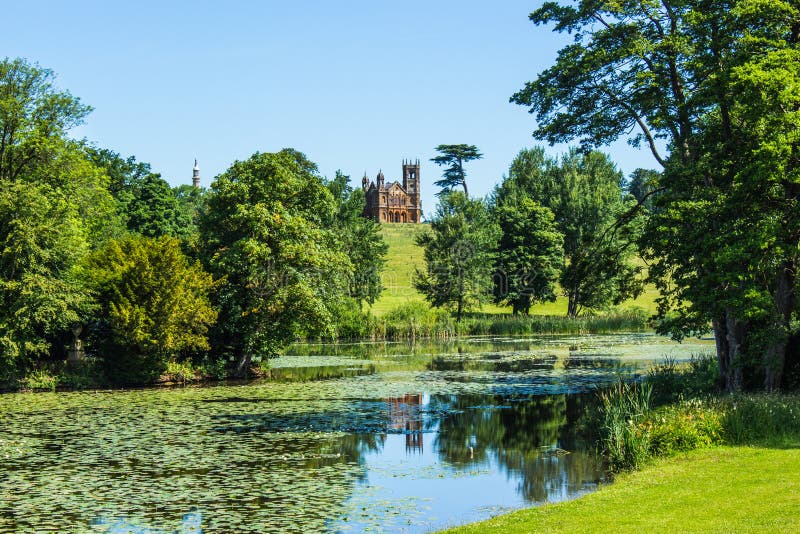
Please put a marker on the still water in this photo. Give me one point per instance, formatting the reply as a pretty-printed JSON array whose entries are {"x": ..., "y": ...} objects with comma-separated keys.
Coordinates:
[{"x": 342, "y": 438}]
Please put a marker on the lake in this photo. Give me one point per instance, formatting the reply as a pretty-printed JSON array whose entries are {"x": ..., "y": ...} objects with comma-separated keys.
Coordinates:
[{"x": 342, "y": 438}]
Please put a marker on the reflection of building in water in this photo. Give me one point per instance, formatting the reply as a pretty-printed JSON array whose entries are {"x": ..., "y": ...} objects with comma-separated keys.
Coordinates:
[{"x": 405, "y": 417}]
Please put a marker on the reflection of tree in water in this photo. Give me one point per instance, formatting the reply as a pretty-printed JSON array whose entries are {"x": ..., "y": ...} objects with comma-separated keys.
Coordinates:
[{"x": 527, "y": 437}]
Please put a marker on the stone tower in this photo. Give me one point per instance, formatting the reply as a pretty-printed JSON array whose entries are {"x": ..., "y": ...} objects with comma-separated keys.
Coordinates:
[
  {"x": 411, "y": 185},
  {"x": 196, "y": 175}
]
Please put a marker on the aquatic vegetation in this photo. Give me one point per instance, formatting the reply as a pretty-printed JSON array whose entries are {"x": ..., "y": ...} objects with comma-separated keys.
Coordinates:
[{"x": 363, "y": 439}]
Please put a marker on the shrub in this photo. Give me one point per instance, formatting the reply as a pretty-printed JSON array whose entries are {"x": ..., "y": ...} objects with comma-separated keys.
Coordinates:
[{"x": 683, "y": 427}]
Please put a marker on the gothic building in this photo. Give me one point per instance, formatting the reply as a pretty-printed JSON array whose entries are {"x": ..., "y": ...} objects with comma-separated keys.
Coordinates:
[{"x": 394, "y": 202}]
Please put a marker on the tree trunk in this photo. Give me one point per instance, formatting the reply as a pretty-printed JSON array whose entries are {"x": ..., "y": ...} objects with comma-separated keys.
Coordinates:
[
  {"x": 721, "y": 337},
  {"x": 775, "y": 353},
  {"x": 572, "y": 304},
  {"x": 734, "y": 338}
]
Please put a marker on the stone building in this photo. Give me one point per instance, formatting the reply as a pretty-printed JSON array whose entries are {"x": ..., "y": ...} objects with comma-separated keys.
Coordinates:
[{"x": 394, "y": 202}]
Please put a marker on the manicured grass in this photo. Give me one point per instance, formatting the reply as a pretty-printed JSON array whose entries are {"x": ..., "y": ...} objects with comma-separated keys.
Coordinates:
[
  {"x": 722, "y": 489},
  {"x": 404, "y": 255}
]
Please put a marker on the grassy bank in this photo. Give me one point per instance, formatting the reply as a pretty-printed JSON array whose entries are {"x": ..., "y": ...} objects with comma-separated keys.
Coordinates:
[
  {"x": 723, "y": 489},
  {"x": 685, "y": 459}
]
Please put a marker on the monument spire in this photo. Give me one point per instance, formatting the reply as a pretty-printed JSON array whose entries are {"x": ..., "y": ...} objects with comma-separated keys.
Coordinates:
[{"x": 196, "y": 175}]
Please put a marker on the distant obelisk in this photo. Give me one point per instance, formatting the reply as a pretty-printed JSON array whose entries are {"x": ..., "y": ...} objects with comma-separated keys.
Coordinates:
[{"x": 196, "y": 175}]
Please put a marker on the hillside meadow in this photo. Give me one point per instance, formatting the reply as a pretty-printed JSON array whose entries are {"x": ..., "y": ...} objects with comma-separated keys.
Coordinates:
[{"x": 405, "y": 256}]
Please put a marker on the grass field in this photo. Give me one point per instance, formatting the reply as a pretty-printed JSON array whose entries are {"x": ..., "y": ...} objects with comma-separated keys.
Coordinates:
[
  {"x": 404, "y": 255},
  {"x": 725, "y": 489}
]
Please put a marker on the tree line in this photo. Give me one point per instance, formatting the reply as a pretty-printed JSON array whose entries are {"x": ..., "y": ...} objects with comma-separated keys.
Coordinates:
[
  {"x": 99, "y": 254},
  {"x": 549, "y": 228}
]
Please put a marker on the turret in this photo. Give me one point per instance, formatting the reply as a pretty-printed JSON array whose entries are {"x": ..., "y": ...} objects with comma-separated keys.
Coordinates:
[
  {"x": 380, "y": 180},
  {"x": 365, "y": 181}
]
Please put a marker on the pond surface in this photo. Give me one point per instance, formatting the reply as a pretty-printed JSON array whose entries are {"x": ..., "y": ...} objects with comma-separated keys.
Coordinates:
[{"x": 381, "y": 437}]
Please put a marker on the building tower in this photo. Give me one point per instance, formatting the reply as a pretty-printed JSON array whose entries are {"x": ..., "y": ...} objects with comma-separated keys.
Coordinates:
[
  {"x": 411, "y": 185},
  {"x": 196, "y": 175}
]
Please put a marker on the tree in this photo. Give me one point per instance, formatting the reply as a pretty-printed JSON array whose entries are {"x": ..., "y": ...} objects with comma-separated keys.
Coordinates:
[
  {"x": 458, "y": 254},
  {"x": 34, "y": 118},
  {"x": 360, "y": 238},
  {"x": 644, "y": 185},
  {"x": 54, "y": 208},
  {"x": 583, "y": 192},
  {"x": 454, "y": 157},
  {"x": 41, "y": 240},
  {"x": 669, "y": 70},
  {"x": 530, "y": 255},
  {"x": 146, "y": 202},
  {"x": 154, "y": 305},
  {"x": 265, "y": 233}
]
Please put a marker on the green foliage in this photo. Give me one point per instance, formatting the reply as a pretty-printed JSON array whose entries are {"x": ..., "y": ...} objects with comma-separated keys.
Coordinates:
[
  {"x": 361, "y": 240},
  {"x": 34, "y": 119},
  {"x": 718, "y": 81},
  {"x": 643, "y": 185},
  {"x": 265, "y": 235},
  {"x": 145, "y": 201},
  {"x": 529, "y": 255},
  {"x": 39, "y": 379},
  {"x": 624, "y": 407},
  {"x": 41, "y": 239},
  {"x": 155, "y": 305},
  {"x": 683, "y": 427},
  {"x": 454, "y": 157},
  {"x": 458, "y": 254},
  {"x": 584, "y": 193}
]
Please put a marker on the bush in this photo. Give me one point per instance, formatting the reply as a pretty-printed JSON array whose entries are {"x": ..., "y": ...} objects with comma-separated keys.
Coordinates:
[
  {"x": 39, "y": 379},
  {"x": 683, "y": 427}
]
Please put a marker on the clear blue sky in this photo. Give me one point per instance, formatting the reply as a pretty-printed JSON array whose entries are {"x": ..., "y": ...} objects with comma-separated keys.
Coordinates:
[{"x": 356, "y": 85}]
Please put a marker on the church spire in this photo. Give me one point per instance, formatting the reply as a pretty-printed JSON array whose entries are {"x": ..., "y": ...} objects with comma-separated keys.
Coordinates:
[{"x": 196, "y": 174}]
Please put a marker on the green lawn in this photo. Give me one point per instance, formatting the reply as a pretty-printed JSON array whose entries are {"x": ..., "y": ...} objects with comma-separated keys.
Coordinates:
[
  {"x": 725, "y": 489},
  {"x": 404, "y": 255}
]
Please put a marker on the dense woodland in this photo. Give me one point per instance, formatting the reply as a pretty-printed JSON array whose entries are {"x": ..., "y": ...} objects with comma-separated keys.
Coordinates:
[{"x": 106, "y": 269}]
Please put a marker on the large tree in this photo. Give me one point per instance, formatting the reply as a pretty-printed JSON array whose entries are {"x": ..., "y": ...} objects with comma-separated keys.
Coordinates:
[
  {"x": 530, "y": 254},
  {"x": 453, "y": 158},
  {"x": 35, "y": 117},
  {"x": 154, "y": 305},
  {"x": 54, "y": 208},
  {"x": 458, "y": 252},
  {"x": 674, "y": 70},
  {"x": 41, "y": 240},
  {"x": 583, "y": 190},
  {"x": 266, "y": 234}
]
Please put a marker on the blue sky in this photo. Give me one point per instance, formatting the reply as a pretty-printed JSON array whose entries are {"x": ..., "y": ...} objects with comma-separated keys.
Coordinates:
[{"x": 356, "y": 85}]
